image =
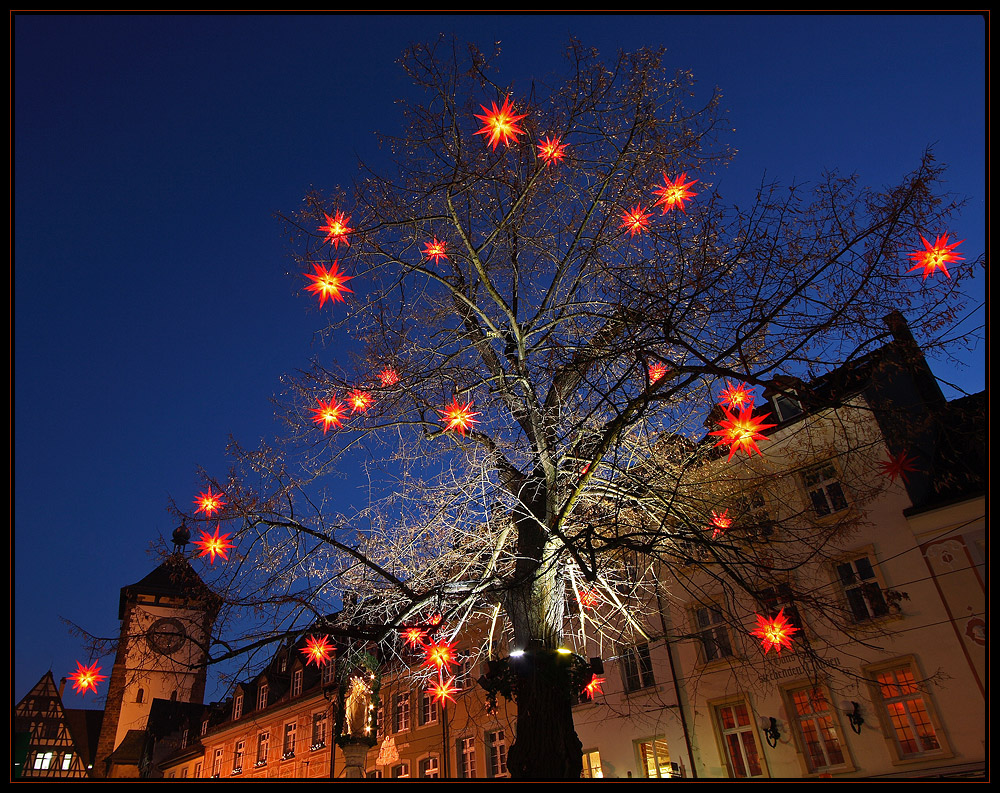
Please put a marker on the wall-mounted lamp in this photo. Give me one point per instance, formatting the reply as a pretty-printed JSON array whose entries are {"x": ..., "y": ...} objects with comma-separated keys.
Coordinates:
[
  {"x": 853, "y": 711},
  {"x": 770, "y": 727}
]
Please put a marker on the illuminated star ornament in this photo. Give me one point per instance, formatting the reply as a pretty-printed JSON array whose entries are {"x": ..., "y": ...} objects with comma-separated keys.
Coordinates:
[
  {"x": 439, "y": 655},
  {"x": 359, "y": 400},
  {"x": 86, "y": 677},
  {"x": 317, "y": 650},
  {"x": 742, "y": 432},
  {"x": 336, "y": 229},
  {"x": 737, "y": 396},
  {"x": 500, "y": 125},
  {"x": 459, "y": 416},
  {"x": 328, "y": 414},
  {"x": 551, "y": 151},
  {"x": 328, "y": 283},
  {"x": 435, "y": 250},
  {"x": 675, "y": 193},
  {"x": 594, "y": 686},
  {"x": 776, "y": 632},
  {"x": 213, "y": 545},
  {"x": 413, "y": 635},
  {"x": 442, "y": 690},
  {"x": 656, "y": 371},
  {"x": 635, "y": 220},
  {"x": 589, "y": 598},
  {"x": 900, "y": 465},
  {"x": 209, "y": 502},
  {"x": 388, "y": 377},
  {"x": 936, "y": 257},
  {"x": 720, "y": 522}
]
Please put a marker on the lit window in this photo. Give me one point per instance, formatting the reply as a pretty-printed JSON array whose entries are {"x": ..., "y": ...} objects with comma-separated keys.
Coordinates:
[
  {"x": 637, "y": 668},
  {"x": 401, "y": 771},
  {"x": 401, "y": 712},
  {"x": 238, "y": 753},
  {"x": 238, "y": 706},
  {"x": 739, "y": 739},
  {"x": 319, "y": 731},
  {"x": 42, "y": 761},
  {"x": 654, "y": 758},
  {"x": 818, "y": 729},
  {"x": 467, "y": 758},
  {"x": 288, "y": 746},
  {"x": 592, "y": 765},
  {"x": 496, "y": 746},
  {"x": 67, "y": 761},
  {"x": 262, "y": 742},
  {"x": 296, "y": 682},
  {"x": 907, "y": 711},
  {"x": 429, "y": 768},
  {"x": 262, "y": 696},
  {"x": 217, "y": 764},
  {"x": 428, "y": 708},
  {"x": 862, "y": 590},
  {"x": 712, "y": 633},
  {"x": 825, "y": 491}
]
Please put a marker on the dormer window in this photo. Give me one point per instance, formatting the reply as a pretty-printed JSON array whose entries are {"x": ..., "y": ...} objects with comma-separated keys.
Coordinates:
[
  {"x": 262, "y": 696},
  {"x": 296, "y": 682},
  {"x": 237, "y": 706},
  {"x": 204, "y": 727},
  {"x": 787, "y": 406}
]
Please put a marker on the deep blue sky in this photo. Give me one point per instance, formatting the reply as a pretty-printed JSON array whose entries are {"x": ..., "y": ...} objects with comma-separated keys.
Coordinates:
[{"x": 154, "y": 302}]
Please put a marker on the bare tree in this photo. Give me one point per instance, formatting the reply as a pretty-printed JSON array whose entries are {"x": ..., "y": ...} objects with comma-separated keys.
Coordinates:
[{"x": 537, "y": 327}]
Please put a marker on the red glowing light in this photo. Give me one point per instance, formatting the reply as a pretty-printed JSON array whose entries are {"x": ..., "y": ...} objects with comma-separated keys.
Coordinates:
[
  {"x": 328, "y": 414},
  {"x": 594, "y": 686},
  {"x": 414, "y": 636},
  {"x": 388, "y": 377},
  {"x": 336, "y": 229},
  {"x": 317, "y": 651},
  {"x": 675, "y": 193},
  {"x": 359, "y": 400},
  {"x": 443, "y": 690},
  {"x": 743, "y": 432},
  {"x": 434, "y": 619},
  {"x": 636, "y": 220},
  {"x": 720, "y": 522},
  {"x": 209, "y": 502},
  {"x": 936, "y": 257},
  {"x": 435, "y": 250},
  {"x": 86, "y": 677},
  {"x": 589, "y": 598},
  {"x": 552, "y": 150},
  {"x": 213, "y": 545},
  {"x": 776, "y": 632},
  {"x": 328, "y": 283},
  {"x": 440, "y": 655},
  {"x": 459, "y": 416},
  {"x": 657, "y": 371},
  {"x": 736, "y": 396},
  {"x": 900, "y": 465},
  {"x": 500, "y": 125}
]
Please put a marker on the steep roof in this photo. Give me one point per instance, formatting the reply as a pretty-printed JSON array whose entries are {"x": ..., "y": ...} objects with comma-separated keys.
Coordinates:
[{"x": 173, "y": 578}]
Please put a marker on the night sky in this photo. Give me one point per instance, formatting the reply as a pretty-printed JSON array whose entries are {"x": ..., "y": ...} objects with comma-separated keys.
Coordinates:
[{"x": 155, "y": 304}]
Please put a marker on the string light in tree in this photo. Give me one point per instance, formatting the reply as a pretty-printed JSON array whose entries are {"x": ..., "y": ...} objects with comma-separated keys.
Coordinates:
[
  {"x": 775, "y": 632},
  {"x": 674, "y": 193},
  {"x": 359, "y": 400},
  {"x": 336, "y": 229},
  {"x": 213, "y": 545},
  {"x": 899, "y": 465},
  {"x": 743, "y": 431},
  {"x": 328, "y": 283},
  {"x": 720, "y": 522},
  {"x": 329, "y": 414},
  {"x": 736, "y": 396},
  {"x": 317, "y": 651},
  {"x": 551, "y": 150},
  {"x": 935, "y": 257},
  {"x": 500, "y": 124},
  {"x": 635, "y": 220},
  {"x": 594, "y": 686},
  {"x": 459, "y": 416},
  {"x": 435, "y": 250},
  {"x": 388, "y": 377},
  {"x": 209, "y": 502},
  {"x": 86, "y": 678}
]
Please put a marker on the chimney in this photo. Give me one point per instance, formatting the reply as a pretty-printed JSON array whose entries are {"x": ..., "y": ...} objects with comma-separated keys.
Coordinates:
[{"x": 62, "y": 687}]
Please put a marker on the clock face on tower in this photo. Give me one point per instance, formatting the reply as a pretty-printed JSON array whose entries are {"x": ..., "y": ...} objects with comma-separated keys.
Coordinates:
[{"x": 166, "y": 635}]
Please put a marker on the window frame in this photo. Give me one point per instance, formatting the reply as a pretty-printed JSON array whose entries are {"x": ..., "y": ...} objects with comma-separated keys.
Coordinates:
[
  {"x": 423, "y": 767},
  {"x": 239, "y": 753},
  {"x": 237, "y": 706},
  {"x": 262, "y": 692},
  {"x": 824, "y": 477},
  {"x": 319, "y": 717},
  {"x": 401, "y": 712},
  {"x": 799, "y": 739},
  {"x": 430, "y": 712},
  {"x": 713, "y": 628},
  {"x": 297, "y": 675},
  {"x": 752, "y": 727},
  {"x": 289, "y": 736},
  {"x": 641, "y": 762},
  {"x": 465, "y": 751},
  {"x": 263, "y": 747},
  {"x": 636, "y": 666},
  {"x": 589, "y": 767},
  {"x": 496, "y": 761},
  {"x": 864, "y": 585}
]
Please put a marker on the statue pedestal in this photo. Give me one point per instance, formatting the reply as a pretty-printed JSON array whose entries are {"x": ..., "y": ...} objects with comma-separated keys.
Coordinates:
[{"x": 354, "y": 753}]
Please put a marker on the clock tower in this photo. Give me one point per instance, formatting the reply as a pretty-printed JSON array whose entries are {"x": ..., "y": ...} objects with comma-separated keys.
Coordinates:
[{"x": 166, "y": 626}]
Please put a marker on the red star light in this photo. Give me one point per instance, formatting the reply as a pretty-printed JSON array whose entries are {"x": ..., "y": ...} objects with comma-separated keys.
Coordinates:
[
  {"x": 336, "y": 229},
  {"x": 388, "y": 377},
  {"x": 413, "y": 636},
  {"x": 657, "y": 371},
  {"x": 636, "y": 220},
  {"x": 435, "y": 250},
  {"x": 720, "y": 522},
  {"x": 675, "y": 193},
  {"x": 900, "y": 465},
  {"x": 209, "y": 502},
  {"x": 443, "y": 690},
  {"x": 440, "y": 655},
  {"x": 936, "y": 257},
  {"x": 328, "y": 283},
  {"x": 551, "y": 150},
  {"x": 459, "y": 416},
  {"x": 328, "y": 414},
  {"x": 359, "y": 400},
  {"x": 317, "y": 651},
  {"x": 776, "y": 633},
  {"x": 594, "y": 686},
  {"x": 434, "y": 619},
  {"x": 500, "y": 125},
  {"x": 736, "y": 396},
  {"x": 589, "y": 598},
  {"x": 86, "y": 677},
  {"x": 743, "y": 432},
  {"x": 213, "y": 545}
]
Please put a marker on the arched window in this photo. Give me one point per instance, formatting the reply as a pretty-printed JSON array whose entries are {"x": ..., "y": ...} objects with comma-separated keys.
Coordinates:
[{"x": 139, "y": 695}]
